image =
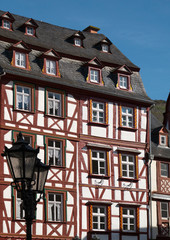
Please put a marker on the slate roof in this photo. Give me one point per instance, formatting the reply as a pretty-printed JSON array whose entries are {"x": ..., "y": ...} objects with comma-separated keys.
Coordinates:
[
  {"x": 157, "y": 150},
  {"x": 73, "y": 72}
]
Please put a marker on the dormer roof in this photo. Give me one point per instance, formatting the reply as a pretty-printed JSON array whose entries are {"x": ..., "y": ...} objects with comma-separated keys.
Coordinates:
[
  {"x": 51, "y": 54},
  {"x": 31, "y": 23},
  {"x": 95, "y": 62},
  {"x": 8, "y": 16},
  {"x": 21, "y": 45},
  {"x": 123, "y": 69}
]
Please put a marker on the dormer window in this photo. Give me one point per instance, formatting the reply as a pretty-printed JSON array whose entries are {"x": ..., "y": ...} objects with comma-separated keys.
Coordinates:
[
  {"x": 20, "y": 59},
  {"x": 51, "y": 66},
  {"x": 94, "y": 72},
  {"x": 123, "y": 78},
  {"x": 7, "y": 24},
  {"x": 77, "y": 42},
  {"x": 163, "y": 137},
  {"x": 30, "y": 31},
  {"x": 123, "y": 81},
  {"x": 105, "y": 48},
  {"x": 94, "y": 75},
  {"x": 20, "y": 55},
  {"x": 7, "y": 20},
  {"x": 30, "y": 27}
]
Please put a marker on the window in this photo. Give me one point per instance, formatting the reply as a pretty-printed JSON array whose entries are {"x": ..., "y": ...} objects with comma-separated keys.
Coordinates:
[
  {"x": 123, "y": 82},
  {"x": 99, "y": 218},
  {"x": 129, "y": 219},
  {"x": 54, "y": 152},
  {"x": 54, "y": 104},
  {"x": 128, "y": 166},
  {"x": 164, "y": 170},
  {"x": 94, "y": 76},
  {"x": 162, "y": 140},
  {"x": 20, "y": 59},
  {"x": 98, "y": 162},
  {"x": 55, "y": 207},
  {"x": 51, "y": 67},
  {"x": 98, "y": 112},
  {"x": 20, "y": 213},
  {"x": 7, "y": 24},
  {"x": 23, "y": 98},
  {"x": 127, "y": 117},
  {"x": 77, "y": 42},
  {"x": 105, "y": 48},
  {"x": 30, "y": 31},
  {"x": 164, "y": 210}
]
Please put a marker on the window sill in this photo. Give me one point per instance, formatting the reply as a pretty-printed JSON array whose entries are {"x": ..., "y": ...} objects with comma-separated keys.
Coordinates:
[
  {"x": 50, "y": 221},
  {"x": 128, "y": 128},
  {"x": 23, "y": 68},
  {"x": 98, "y": 124},
  {"x": 96, "y": 83},
  {"x": 24, "y": 111},
  {"x": 53, "y": 116},
  {"x": 98, "y": 176},
  {"x": 61, "y": 167},
  {"x": 51, "y": 75},
  {"x": 128, "y": 179}
]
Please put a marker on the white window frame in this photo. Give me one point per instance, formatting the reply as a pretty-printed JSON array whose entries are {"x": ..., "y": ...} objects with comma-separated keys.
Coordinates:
[
  {"x": 99, "y": 218},
  {"x": 98, "y": 112},
  {"x": 7, "y": 24},
  {"x": 20, "y": 59},
  {"x": 20, "y": 212},
  {"x": 23, "y": 96},
  {"x": 105, "y": 48},
  {"x": 127, "y": 117},
  {"x": 50, "y": 67},
  {"x": 55, "y": 207},
  {"x": 54, "y": 104},
  {"x": 128, "y": 166},
  {"x": 126, "y": 219},
  {"x": 94, "y": 75},
  {"x": 163, "y": 137},
  {"x": 123, "y": 82},
  {"x": 30, "y": 31},
  {"x": 99, "y": 162},
  {"x": 165, "y": 210},
  {"x": 165, "y": 171},
  {"x": 55, "y": 153},
  {"x": 77, "y": 42}
]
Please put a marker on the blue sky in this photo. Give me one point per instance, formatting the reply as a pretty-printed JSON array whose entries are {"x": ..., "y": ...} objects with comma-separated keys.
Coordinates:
[{"x": 140, "y": 29}]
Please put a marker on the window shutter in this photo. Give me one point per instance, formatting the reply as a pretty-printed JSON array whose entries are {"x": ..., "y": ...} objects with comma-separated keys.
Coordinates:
[
  {"x": 108, "y": 166},
  {"x": 137, "y": 219},
  {"x": 120, "y": 164},
  {"x": 109, "y": 218},
  {"x": 106, "y": 113},
  {"x": 135, "y": 118},
  {"x": 90, "y": 159},
  {"x": 121, "y": 218},
  {"x": 136, "y": 165},
  {"x": 90, "y": 111},
  {"x": 91, "y": 217},
  {"x": 120, "y": 116}
]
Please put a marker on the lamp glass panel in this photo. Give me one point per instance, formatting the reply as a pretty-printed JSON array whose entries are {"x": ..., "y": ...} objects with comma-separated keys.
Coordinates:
[
  {"x": 17, "y": 164},
  {"x": 29, "y": 164}
]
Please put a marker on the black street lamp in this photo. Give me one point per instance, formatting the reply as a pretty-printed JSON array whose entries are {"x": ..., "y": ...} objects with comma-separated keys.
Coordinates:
[{"x": 29, "y": 176}]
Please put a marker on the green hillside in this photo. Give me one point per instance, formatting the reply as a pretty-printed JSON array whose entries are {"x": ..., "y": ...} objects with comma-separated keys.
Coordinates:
[{"x": 159, "y": 109}]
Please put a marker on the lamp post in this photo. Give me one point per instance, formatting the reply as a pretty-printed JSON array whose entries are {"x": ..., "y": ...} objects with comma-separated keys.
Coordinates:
[{"x": 29, "y": 175}]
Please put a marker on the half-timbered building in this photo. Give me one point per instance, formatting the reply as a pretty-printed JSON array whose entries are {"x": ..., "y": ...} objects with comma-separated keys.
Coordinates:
[
  {"x": 160, "y": 177},
  {"x": 78, "y": 98}
]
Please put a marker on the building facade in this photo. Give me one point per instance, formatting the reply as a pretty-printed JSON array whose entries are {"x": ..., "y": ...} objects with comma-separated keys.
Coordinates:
[
  {"x": 160, "y": 178},
  {"x": 78, "y": 98}
]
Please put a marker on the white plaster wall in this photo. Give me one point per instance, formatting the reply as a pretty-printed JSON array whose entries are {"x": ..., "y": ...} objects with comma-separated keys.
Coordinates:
[
  {"x": 154, "y": 176},
  {"x": 7, "y": 192},
  {"x": 154, "y": 219},
  {"x": 39, "y": 212},
  {"x": 9, "y": 94},
  {"x": 142, "y": 183},
  {"x": 143, "y": 137},
  {"x": 68, "y": 159},
  {"x": 143, "y": 220},
  {"x": 84, "y": 217},
  {"x": 127, "y": 136},
  {"x": 116, "y": 176},
  {"x": 71, "y": 108},
  {"x": 110, "y": 120},
  {"x": 41, "y": 99},
  {"x": 84, "y": 113},
  {"x": 143, "y": 122},
  {"x": 98, "y": 131},
  {"x": 40, "y": 119},
  {"x": 8, "y": 136},
  {"x": 85, "y": 128},
  {"x": 70, "y": 146},
  {"x": 8, "y": 208},
  {"x": 71, "y": 98},
  {"x": 107, "y": 194},
  {"x": 115, "y": 223},
  {"x": 86, "y": 192},
  {"x": 6, "y": 114},
  {"x": 117, "y": 195},
  {"x": 127, "y": 196},
  {"x": 40, "y": 140},
  {"x": 117, "y": 121},
  {"x": 39, "y": 228}
]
